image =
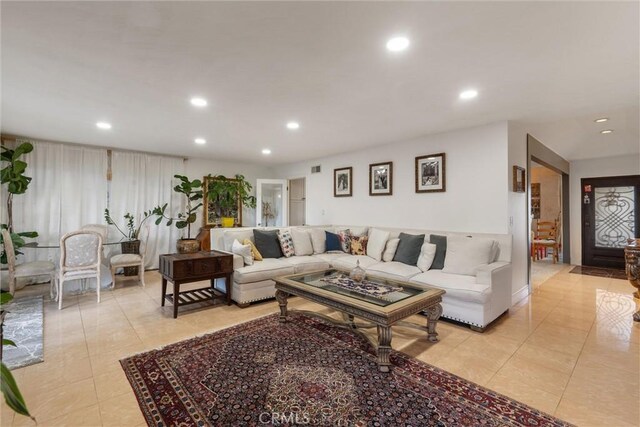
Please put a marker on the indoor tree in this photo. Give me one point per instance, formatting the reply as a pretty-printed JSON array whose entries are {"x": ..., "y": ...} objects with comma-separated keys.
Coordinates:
[{"x": 192, "y": 190}]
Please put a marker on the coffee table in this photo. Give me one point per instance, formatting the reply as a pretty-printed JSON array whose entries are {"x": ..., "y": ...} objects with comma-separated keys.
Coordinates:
[{"x": 382, "y": 302}]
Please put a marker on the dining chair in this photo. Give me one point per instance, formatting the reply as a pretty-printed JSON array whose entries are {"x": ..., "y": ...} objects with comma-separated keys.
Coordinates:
[
  {"x": 546, "y": 237},
  {"x": 26, "y": 269},
  {"x": 132, "y": 260},
  {"x": 80, "y": 258}
]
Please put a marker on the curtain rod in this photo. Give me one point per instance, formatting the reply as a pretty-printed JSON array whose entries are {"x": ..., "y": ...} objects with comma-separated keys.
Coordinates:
[{"x": 13, "y": 138}]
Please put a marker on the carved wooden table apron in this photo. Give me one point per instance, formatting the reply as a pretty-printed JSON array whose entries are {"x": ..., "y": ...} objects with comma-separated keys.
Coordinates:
[
  {"x": 427, "y": 300},
  {"x": 195, "y": 267}
]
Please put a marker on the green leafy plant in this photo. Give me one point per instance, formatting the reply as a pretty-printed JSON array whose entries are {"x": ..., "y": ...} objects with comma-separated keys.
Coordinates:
[
  {"x": 13, "y": 175},
  {"x": 18, "y": 242},
  {"x": 133, "y": 232},
  {"x": 8, "y": 385},
  {"x": 192, "y": 190},
  {"x": 225, "y": 192}
]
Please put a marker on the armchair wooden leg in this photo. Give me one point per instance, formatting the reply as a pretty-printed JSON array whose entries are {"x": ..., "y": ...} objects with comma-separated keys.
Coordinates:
[
  {"x": 98, "y": 286},
  {"x": 60, "y": 285},
  {"x": 141, "y": 274},
  {"x": 113, "y": 277}
]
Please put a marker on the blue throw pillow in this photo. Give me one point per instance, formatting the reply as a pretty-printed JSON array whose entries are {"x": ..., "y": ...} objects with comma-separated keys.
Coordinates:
[{"x": 333, "y": 242}]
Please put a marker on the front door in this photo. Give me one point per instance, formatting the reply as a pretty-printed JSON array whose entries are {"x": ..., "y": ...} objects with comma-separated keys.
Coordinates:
[{"x": 610, "y": 216}]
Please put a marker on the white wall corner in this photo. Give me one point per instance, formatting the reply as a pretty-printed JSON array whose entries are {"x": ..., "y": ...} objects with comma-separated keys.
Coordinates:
[{"x": 519, "y": 295}]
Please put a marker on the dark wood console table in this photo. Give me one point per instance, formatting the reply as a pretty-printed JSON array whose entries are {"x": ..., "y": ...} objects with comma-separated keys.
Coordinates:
[{"x": 187, "y": 268}]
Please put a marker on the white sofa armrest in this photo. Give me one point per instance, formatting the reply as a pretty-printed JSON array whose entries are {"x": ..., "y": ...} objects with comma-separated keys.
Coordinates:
[
  {"x": 496, "y": 272},
  {"x": 238, "y": 261}
]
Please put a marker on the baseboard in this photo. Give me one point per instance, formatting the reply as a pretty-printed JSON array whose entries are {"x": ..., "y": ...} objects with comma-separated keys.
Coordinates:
[{"x": 519, "y": 295}]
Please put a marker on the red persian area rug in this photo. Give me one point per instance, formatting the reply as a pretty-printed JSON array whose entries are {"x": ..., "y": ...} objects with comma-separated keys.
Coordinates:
[{"x": 307, "y": 372}]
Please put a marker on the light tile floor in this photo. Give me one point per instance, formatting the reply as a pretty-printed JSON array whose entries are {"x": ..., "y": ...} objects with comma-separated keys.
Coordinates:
[{"x": 570, "y": 349}]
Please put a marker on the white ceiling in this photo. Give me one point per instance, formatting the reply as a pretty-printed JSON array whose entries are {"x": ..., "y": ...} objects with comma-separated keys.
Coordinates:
[{"x": 67, "y": 65}]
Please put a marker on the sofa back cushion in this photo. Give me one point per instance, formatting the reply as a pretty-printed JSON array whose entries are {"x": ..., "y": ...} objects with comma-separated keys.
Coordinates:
[
  {"x": 239, "y": 235},
  {"x": 441, "y": 250},
  {"x": 390, "y": 249},
  {"x": 376, "y": 243},
  {"x": 427, "y": 255},
  {"x": 409, "y": 248},
  {"x": 267, "y": 243},
  {"x": 301, "y": 242},
  {"x": 465, "y": 255},
  {"x": 318, "y": 240}
]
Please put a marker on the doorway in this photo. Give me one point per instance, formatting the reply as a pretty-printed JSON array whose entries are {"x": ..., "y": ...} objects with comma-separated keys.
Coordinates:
[
  {"x": 297, "y": 202},
  {"x": 610, "y": 216}
]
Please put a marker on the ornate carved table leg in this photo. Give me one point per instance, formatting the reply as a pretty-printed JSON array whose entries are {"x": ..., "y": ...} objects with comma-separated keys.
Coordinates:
[
  {"x": 350, "y": 321},
  {"x": 281, "y": 297},
  {"x": 632, "y": 266},
  {"x": 433, "y": 314},
  {"x": 384, "y": 347}
]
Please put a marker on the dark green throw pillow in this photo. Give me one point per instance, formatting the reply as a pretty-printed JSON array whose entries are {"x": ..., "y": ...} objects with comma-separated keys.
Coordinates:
[
  {"x": 409, "y": 248},
  {"x": 268, "y": 243},
  {"x": 441, "y": 251}
]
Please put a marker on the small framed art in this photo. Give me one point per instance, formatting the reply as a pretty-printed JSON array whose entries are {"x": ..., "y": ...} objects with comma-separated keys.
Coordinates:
[
  {"x": 431, "y": 173},
  {"x": 381, "y": 179},
  {"x": 519, "y": 179},
  {"x": 342, "y": 182}
]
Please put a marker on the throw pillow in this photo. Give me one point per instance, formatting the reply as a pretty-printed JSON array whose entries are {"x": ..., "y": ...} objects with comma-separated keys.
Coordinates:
[
  {"x": 441, "y": 251},
  {"x": 333, "y": 242},
  {"x": 286, "y": 243},
  {"x": 390, "y": 250},
  {"x": 318, "y": 240},
  {"x": 354, "y": 231},
  {"x": 243, "y": 250},
  {"x": 465, "y": 255},
  {"x": 267, "y": 243},
  {"x": 230, "y": 235},
  {"x": 377, "y": 241},
  {"x": 409, "y": 248},
  {"x": 359, "y": 245},
  {"x": 427, "y": 254},
  {"x": 301, "y": 242},
  {"x": 345, "y": 240},
  {"x": 254, "y": 251}
]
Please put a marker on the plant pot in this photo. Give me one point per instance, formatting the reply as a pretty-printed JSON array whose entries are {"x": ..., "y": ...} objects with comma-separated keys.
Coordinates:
[
  {"x": 187, "y": 246},
  {"x": 227, "y": 221},
  {"x": 130, "y": 247}
]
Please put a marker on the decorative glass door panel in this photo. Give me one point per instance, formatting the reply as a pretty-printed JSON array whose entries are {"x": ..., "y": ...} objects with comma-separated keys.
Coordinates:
[
  {"x": 614, "y": 216},
  {"x": 272, "y": 203}
]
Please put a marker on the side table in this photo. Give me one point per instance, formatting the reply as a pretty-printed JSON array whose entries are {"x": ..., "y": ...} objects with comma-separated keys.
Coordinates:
[{"x": 187, "y": 268}]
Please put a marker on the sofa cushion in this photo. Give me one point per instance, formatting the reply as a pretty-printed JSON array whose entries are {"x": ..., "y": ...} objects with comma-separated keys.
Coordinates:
[
  {"x": 409, "y": 248},
  {"x": 332, "y": 241},
  {"x": 240, "y": 235},
  {"x": 264, "y": 270},
  {"x": 301, "y": 242},
  {"x": 318, "y": 240},
  {"x": 466, "y": 254},
  {"x": 427, "y": 254},
  {"x": 390, "y": 249},
  {"x": 393, "y": 270},
  {"x": 267, "y": 243},
  {"x": 244, "y": 251},
  {"x": 441, "y": 250},
  {"x": 457, "y": 286},
  {"x": 348, "y": 262},
  {"x": 330, "y": 257},
  {"x": 359, "y": 245},
  {"x": 377, "y": 241},
  {"x": 302, "y": 264}
]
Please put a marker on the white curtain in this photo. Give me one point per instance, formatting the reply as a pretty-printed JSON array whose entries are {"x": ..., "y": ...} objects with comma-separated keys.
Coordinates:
[{"x": 140, "y": 182}]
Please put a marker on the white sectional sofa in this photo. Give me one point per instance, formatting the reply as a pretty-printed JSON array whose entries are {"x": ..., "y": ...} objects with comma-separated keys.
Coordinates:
[{"x": 475, "y": 297}]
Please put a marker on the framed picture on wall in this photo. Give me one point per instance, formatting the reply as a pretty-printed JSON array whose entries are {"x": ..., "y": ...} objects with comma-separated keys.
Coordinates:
[
  {"x": 381, "y": 179},
  {"x": 431, "y": 173},
  {"x": 342, "y": 182},
  {"x": 519, "y": 179},
  {"x": 213, "y": 211}
]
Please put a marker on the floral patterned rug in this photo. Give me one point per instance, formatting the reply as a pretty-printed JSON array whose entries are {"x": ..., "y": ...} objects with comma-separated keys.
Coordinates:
[{"x": 307, "y": 372}]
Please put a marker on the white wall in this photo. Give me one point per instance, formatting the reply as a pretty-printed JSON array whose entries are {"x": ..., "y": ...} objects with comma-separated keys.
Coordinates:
[
  {"x": 593, "y": 168},
  {"x": 198, "y": 168},
  {"x": 474, "y": 200}
]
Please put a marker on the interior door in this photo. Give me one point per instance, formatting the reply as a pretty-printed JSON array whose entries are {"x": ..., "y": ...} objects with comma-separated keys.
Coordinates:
[
  {"x": 272, "y": 203},
  {"x": 610, "y": 216},
  {"x": 297, "y": 202}
]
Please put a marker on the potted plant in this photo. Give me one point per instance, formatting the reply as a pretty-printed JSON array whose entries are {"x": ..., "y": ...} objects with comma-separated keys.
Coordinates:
[
  {"x": 228, "y": 195},
  {"x": 131, "y": 244},
  {"x": 192, "y": 190}
]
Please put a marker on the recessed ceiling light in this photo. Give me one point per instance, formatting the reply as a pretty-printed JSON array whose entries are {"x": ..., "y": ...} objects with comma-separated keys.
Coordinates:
[
  {"x": 398, "y": 44},
  {"x": 103, "y": 125},
  {"x": 198, "y": 102},
  {"x": 606, "y": 131},
  {"x": 601, "y": 120},
  {"x": 266, "y": 151},
  {"x": 200, "y": 141},
  {"x": 468, "y": 94},
  {"x": 293, "y": 125}
]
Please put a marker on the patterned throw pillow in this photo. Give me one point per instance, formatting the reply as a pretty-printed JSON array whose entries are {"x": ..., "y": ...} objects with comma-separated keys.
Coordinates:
[
  {"x": 359, "y": 245},
  {"x": 257, "y": 256},
  {"x": 345, "y": 240},
  {"x": 286, "y": 243}
]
